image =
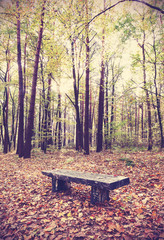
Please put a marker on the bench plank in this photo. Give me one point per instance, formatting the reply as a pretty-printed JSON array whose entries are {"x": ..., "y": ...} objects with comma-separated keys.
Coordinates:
[{"x": 101, "y": 183}]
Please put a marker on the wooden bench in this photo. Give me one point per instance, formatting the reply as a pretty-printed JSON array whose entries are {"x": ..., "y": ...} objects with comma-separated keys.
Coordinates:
[{"x": 100, "y": 184}]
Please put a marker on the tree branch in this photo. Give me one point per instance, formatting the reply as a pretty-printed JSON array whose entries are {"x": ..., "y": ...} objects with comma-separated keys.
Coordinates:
[
  {"x": 139, "y": 1},
  {"x": 70, "y": 100},
  {"x": 149, "y": 5}
]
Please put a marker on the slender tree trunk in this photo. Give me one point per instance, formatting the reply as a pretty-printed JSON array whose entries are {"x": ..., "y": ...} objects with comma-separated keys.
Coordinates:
[
  {"x": 65, "y": 116},
  {"x": 136, "y": 123},
  {"x": 39, "y": 120},
  {"x": 5, "y": 122},
  {"x": 44, "y": 127},
  {"x": 43, "y": 103},
  {"x": 1, "y": 129},
  {"x": 25, "y": 61},
  {"x": 30, "y": 126},
  {"x": 122, "y": 119},
  {"x": 90, "y": 120},
  {"x": 157, "y": 95},
  {"x": 49, "y": 129},
  {"x": 142, "y": 122},
  {"x": 13, "y": 121},
  {"x": 86, "y": 126},
  {"x": 59, "y": 125},
  {"x": 112, "y": 114},
  {"x": 101, "y": 98},
  {"x": 56, "y": 133},
  {"x": 106, "y": 120},
  {"x": 25, "y": 86},
  {"x": 20, "y": 146},
  {"x": 82, "y": 117},
  {"x": 76, "y": 93},
  {"x": 16, "y": 128},
  {"x": 150, "y": 142},
  {"x": 6, "y": 141}
]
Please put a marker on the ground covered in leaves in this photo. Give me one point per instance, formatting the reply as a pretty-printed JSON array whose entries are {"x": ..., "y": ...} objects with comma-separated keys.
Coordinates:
[{"x": 29, "y": 210}]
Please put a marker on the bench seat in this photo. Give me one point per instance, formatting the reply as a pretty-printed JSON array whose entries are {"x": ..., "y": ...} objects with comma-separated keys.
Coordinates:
[{"x": 100, "y": 184}]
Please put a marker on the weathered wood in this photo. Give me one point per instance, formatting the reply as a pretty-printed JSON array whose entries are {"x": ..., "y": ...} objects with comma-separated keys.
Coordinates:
[
  {"x": 59, "y": 185},
  {"x": 99, "y": 195},
  {"x": 101, "y": 183}
]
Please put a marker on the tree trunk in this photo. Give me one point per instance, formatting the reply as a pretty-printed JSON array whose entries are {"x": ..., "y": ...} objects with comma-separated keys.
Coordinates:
[
  {"x": 106, "y": 120},
  {"x": 142, "y": 122},
  {"x": 101, "y": 99},
  {"x": 6, "y": 141},
  {"x": 43, "y": 104},
  {"x": 86, "y": 126},
  {"x": 59, "y": 125},
  {"x": 1, "y": 129},
  {"x": 39, "y": 120},
  {"x": 79, "y": 144},
  {"x": 65, "y": 116},
  {"x": 27, "y": 149},
  {"x": 49, "y": 129},
  {"x": 20, "y": 145},
  {"x": 112, "y": 113},
  {"x": 157, "y": 95},
  {"x": 13, "y": 122},
  {"x": 150, "y": 142},
  {"x": 5, "y": 122},
  {"x": 136, "y": 123},
  {"x": 82, "y": 116},
  {"x": 16, "y": 128},
  {"x": 100, "y": 111}
]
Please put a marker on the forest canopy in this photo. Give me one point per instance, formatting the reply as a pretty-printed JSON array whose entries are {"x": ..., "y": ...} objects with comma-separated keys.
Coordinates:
[{"x": 84, "y": 74}]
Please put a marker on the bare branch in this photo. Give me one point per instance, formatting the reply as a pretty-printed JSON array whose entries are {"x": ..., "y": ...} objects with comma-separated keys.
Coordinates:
[
  {"x": 70, "y": 100},
  {"x": 139, "y": 1}
]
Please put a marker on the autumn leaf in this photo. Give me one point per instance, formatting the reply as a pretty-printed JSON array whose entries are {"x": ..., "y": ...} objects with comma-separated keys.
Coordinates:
[
  {"x": 64, "y": 219},
  {"x": 69, "y": 215},
  {"x": 28, "y": 207},
  {"x": 51, "y": 227},
  {"x": 140, "y": 216},
  {"x": 154, "y": 214},
  {"x": 81, "y": 214},
  {"x": 110, "y": 213},
  {"x": 119, "y": 228},
  {"x": 139, "y": 210},
  {"x": 111, "y": 227}
]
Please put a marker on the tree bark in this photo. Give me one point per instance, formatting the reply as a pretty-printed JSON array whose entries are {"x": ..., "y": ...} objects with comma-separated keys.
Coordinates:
[
  {"x": 79, "y": 144},
  {"x": 5, "y": 122},
  {"x": 6, "y": 141},
  {"x": 100, "y": 111},
  {"x": 65, "y": 126},
  {"x": 157, "y": 95},
  {"x": 20, "y": 144},
  {"x": 49, "y": 130},
  {"x": 27, "y": 151},
  {"x": 60, "y": 125},
  {"x": 150, "y": 142},
  {"x": 106, "y": 120},
  {"x": 86, "y": 126},
  {"x": 101, "y": 98},
  {"x": 112, "y": 113}
]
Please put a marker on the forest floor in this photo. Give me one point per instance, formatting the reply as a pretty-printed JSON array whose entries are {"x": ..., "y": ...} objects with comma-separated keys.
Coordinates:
[{"x": 29, "y": 210}]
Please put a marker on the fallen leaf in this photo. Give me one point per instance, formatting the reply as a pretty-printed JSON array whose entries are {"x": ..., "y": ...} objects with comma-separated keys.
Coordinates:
[
  {"x": 111, "y": 227},
  {"x": 51, "y": 226}
]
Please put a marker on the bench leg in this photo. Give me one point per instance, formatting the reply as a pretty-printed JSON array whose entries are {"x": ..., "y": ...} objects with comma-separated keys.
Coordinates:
[
  {"x": 59, "y": 185},
  {"x": 99, "y": 195}
]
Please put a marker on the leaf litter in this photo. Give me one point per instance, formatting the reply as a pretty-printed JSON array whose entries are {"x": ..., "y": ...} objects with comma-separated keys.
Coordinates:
[{"x": 29, "y": 210}]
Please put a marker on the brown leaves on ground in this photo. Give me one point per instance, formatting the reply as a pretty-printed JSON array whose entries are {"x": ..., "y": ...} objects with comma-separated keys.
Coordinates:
[{"x": 29, "y": 210}]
